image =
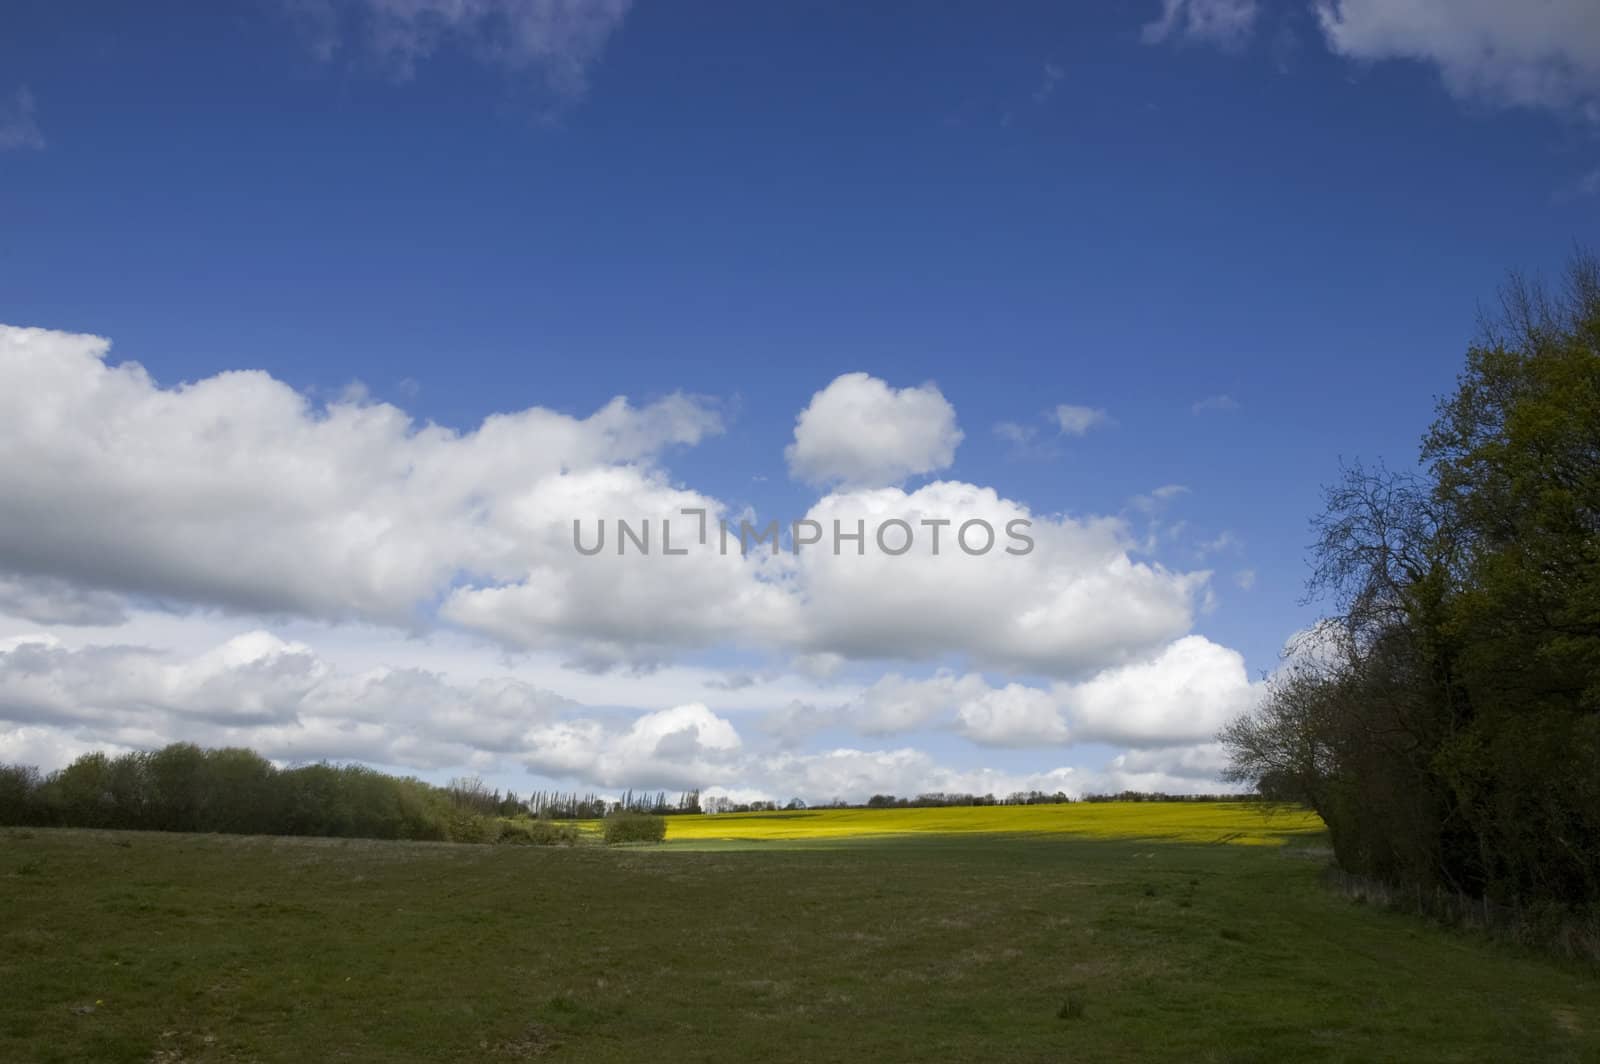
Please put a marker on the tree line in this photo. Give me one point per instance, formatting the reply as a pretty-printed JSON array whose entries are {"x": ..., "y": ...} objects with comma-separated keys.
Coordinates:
[
  {"x": 1444, "y": 719},
  {"x": 182, "y": 787},
  {"x": 939, "y": 799},
  {"x": 569, "y": 805}
]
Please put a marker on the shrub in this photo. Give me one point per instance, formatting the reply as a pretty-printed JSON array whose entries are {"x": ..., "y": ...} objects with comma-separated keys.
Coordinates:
[
  {"x": 462, "y": 825},
  {"x": 524, "y": 831},
  {"x": 634, "y": 827}
]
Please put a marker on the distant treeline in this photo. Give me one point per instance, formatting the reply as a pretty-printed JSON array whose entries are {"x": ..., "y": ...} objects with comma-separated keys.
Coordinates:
[
  {"x": 185, "y": 788},
  {"x": 889, "y": 801},
  {"x": 1162, "y": 796},
  {"x": 939, "y": 799},
  {"x": 570, "y": 805}
]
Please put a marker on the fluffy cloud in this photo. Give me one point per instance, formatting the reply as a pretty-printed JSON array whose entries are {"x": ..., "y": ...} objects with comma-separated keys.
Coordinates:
[
  {"x": 252, "y": 679},
  {"x": 136, "y": 511},
  {"x": 632, "y": 607},
  {"x": 1076, "y": 602},
  {"x": 558, "y": 39},
  {"x": 287, "y": 701},
  {"x": 1180, "y": 695},
  {"x": 1014, "y": 715},
  {"x": 1173, "y": 770},
  {"x": 1544, "y": 54},
  {"x": 860, "y": 432},
  {"x": 1227, "y": 23},
  {"x": 682, "y": 747},
  {"x": 295, "y": 703},
  {"x": 1202, "y": 761},
  {"x": 1185, "y": 693},
  {"x": 258, "y": 690},
  {"x": 238, "y": 492}
]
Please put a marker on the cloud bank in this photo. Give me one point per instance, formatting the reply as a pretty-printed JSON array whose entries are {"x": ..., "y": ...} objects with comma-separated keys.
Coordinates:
[{"x": 236, "y": 507}]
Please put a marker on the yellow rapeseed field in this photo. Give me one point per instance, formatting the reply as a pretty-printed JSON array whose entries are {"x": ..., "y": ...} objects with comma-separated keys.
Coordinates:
[{"x": 1245, "y": 823}]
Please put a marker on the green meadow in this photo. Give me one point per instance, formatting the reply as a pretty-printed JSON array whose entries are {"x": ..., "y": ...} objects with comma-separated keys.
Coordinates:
[{"x": 729, "y": 945}]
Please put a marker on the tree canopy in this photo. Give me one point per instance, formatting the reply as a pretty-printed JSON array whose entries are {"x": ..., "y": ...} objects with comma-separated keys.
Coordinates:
[{"x": 1445, "y": 719}]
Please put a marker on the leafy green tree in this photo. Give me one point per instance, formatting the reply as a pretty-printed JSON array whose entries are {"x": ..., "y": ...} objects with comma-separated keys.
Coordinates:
[
  {"x": 19, "y": 795},
  {"x": 1447, "y": 723}
]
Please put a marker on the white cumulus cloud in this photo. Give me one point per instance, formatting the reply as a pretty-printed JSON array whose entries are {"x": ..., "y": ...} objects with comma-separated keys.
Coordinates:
[
  {"x": 1075, "y": 602},
  {"x": 238, "y": 492},
  {"x": 681, "y": 747},
  {"x": 1185, "y": 693},
  {"x": 860, "y": 432}
]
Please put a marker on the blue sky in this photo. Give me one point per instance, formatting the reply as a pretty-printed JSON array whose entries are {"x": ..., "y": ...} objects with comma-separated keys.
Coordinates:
[{"x": 1288, "y": 210}]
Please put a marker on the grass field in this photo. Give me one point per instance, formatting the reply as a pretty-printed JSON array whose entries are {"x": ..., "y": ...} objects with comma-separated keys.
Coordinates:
[{"x": 1080, "y": 933}]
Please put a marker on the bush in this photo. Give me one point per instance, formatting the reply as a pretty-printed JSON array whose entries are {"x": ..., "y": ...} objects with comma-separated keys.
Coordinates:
[
  {"x": 463, "y": 825},
  {"x": 634, "y": 827},
  {"x": 524, "y": 831}
]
